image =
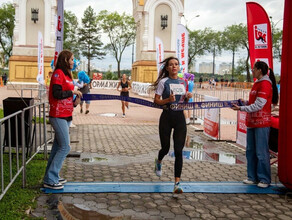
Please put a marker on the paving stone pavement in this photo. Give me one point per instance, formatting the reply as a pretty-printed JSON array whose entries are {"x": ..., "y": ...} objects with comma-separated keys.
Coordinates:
[
  {"x": 126, "y": 153},
  {"x": 123, "y": 149}
]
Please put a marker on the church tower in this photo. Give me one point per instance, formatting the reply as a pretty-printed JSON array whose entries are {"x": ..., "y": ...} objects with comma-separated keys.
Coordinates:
[
  {"x": 32, "y": 16},
  {"x": 154, "y": 18}
]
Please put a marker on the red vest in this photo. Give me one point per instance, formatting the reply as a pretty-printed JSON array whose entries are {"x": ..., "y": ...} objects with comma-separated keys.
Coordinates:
[
  {"x": 61, "y": 108},
  {"x": 261, "y": 118}
]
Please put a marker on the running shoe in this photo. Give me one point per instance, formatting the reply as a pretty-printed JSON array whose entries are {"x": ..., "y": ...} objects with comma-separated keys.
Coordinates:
[
  {"x": 124, "y": 115},
  {"x": 158, "y": 167},
  {"x": 177, "y": 189}
]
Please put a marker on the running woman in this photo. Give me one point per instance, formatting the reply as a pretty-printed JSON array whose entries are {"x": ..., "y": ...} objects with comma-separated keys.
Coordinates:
[
  {"x": 126, "y": 86},
  {"x": 169, "y": 89}
]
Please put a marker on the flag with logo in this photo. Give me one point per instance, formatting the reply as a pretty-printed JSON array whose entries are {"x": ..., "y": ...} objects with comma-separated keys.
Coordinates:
[
  {"x": 182, "y": 48},
  {"x": 259, "y": 34},
  {"x": 159, "y": 53},
  {"x": 59, "y": 29},
  {"x": 211, "y": 120},
  {"x": 40, "y": 76},
  {"x": 241, "y": 128}
]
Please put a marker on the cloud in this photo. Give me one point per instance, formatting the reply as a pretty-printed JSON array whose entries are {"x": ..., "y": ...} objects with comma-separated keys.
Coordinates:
[{"x": 78, "y": 7}]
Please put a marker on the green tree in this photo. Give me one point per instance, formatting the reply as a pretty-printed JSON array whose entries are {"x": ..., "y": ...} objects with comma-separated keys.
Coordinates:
[
  {"x": 200, "y": 43},
  {"x": 7, "y": 17},
  {"x": 89, "y": 37},
  {"x": 235, "y": 37},
  {"x": 71, "y": 33},
  {"x": 216, "y": 44},
  {"x": 120, "y": 30},
  {"x": 277, "y": 44},
  {"x": 241, "y": 67}
]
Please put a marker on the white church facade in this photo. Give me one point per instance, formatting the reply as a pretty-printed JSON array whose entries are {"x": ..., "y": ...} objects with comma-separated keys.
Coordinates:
[
  {"x": 32, "y": 16},
  {"x": 154, "y": 18}
]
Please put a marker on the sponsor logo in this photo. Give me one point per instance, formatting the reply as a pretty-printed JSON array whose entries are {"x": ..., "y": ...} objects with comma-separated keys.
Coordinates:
[{"x": 260, "y": 36}]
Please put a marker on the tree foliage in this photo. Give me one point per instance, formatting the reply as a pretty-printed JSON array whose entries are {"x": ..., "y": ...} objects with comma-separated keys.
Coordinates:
[
  {"x": 89, "y": 37},
  {"x": 71, "y": 33},
  {"x": 277, "y": 44},
  {"x": 201, "y": 42},
  {"x": 121, "y": 30},
  {"x": 241, "y": 38},
  {"x": 7, "y": 17},
  {"x": 234, "y": 38}
]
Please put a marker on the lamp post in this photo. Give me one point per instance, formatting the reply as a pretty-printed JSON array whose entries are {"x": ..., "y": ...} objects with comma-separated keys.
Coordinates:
[
  {"x": 274, "y": 25},
  {"x": 196, "y": 16}
]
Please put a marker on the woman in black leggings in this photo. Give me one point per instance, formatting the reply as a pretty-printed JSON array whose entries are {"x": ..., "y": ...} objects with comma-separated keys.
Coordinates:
[{"x": 169, "y": 89}]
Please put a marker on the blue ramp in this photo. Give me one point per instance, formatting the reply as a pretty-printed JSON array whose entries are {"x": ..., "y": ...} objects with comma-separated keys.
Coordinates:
[{"x": 166, "y": 187}]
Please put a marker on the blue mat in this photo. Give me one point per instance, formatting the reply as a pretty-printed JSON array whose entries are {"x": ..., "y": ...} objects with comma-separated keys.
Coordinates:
[{"x": 166, "y": 187}]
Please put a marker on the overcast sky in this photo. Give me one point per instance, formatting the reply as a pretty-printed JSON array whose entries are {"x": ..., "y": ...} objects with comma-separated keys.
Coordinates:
[{"x": 215, "y": 14}]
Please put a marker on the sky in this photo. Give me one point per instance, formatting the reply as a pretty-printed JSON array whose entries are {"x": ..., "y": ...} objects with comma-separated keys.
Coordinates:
[{"x": 215, "y": 14}]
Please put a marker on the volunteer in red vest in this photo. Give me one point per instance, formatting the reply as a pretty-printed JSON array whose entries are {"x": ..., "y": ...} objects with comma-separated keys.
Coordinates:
[
  {"x": 263, "y": 94},
  {"x": 61, "y": 107}
]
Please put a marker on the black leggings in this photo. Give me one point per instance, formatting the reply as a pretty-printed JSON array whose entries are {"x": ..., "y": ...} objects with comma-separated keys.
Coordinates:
[{"x": 173, "y": 120}]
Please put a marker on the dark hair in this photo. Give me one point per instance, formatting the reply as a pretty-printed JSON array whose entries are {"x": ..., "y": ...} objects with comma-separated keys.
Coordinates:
[
  {"x": 264, "y": 68},
  {"x": 63, "y": 62},
  {"x": 163, "y": 72}
]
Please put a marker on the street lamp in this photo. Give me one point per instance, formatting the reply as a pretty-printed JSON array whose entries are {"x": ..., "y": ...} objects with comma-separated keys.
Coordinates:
[
  {"x": 274, "y": 25},
  {"x": 196, "y": 16}
]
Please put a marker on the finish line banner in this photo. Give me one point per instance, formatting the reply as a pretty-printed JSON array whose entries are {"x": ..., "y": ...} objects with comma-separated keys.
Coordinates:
[{"x": 174, "y": 107}]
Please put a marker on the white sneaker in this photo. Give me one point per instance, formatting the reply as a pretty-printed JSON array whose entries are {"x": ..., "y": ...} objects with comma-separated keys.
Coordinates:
[
  {"x": 249, "y": 182},
  {"x": 72, "y": 125},
  {"x": 124, "y": 116},
  {"x": 263, "y": 185},
  {"x": 157, "y": 168},
  {"x": 177, "y": 189},
  {"x": 188, "y": 121}
]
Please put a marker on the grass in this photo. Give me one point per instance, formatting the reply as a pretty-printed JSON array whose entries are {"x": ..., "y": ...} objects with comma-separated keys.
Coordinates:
[
  {"x": 38, "y": 120},
  {"x": 17, "y": 200}
]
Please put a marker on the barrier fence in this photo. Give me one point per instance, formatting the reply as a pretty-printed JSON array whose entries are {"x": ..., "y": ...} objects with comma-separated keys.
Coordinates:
[{"x": 16, "y": 153}]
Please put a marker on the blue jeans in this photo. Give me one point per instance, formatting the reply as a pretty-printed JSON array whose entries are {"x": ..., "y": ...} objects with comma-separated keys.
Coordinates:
[
  {"x": 60, "y": 149},
  {"x": 257, "y": 155}
]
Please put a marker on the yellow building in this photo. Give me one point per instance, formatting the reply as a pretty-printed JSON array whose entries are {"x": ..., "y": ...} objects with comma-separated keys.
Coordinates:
[{"x": 32, "y": 16}]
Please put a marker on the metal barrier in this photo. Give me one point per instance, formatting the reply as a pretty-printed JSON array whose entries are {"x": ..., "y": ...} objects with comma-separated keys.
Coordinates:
[
  {"x": 23, "y": 154},
  {"x": 42, "y": 92},
  {"x": 230, "y": 94},
  {"x": 198, "y": 113}
]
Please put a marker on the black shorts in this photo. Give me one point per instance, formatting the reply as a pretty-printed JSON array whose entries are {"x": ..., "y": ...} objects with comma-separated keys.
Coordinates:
[{"x": 125, "y": 94}]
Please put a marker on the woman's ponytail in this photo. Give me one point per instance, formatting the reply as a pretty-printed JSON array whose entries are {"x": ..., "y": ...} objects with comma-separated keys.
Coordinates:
[{"x": 275, "y": 97}]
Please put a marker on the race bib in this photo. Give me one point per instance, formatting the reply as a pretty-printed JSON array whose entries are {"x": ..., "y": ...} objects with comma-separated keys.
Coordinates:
[{"x": 177, "y": 89}]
